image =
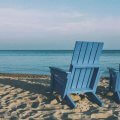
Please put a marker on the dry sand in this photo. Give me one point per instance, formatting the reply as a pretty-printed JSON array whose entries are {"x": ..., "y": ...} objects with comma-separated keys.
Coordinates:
[{"x": 28, "y": 97}]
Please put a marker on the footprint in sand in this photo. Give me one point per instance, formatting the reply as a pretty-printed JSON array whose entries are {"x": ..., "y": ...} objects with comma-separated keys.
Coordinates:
[
  {"x": 22, "y": 105},
  {"x": 33, "y": 97},
  {"x": 15, "y": 95},
  {"x": 57, "y": 115},
  {"x": 35, "y": 104},
  {"x": 1, "y": 96},
  {"x": 16, "y": 106},
  {"x": 7, "y": 102},
  {"x": 28, "y": 114},
  {"x": 7, "y": 87}
]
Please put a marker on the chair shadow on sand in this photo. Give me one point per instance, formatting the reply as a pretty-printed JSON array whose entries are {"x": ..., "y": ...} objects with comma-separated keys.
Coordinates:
[
  {"x": 103, "y": 92},
  {"x": 34, "y": 86},
  {"x": 42, "y": 86}
]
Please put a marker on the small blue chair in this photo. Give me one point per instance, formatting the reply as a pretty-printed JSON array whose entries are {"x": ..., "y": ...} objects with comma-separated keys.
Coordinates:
[
  {"x": 114, "y": 85},
  {"x": 83, "y": 75}
]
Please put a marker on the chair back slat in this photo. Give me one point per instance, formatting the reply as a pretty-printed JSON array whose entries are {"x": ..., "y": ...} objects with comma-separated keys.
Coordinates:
[
  {"x": 82, "y": 53},
  {"x": 76, "y": 52}
]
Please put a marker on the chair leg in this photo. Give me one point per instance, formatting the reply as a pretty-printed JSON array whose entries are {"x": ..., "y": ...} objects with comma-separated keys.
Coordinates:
[
  {"x": 51, "y": 91},
  {"x": 52, "y": 84},
  {"x": 117, "y": 97},
  {"x": 92, "y": 97},
  {"x": 70, "y": 102},
  {"x": 110, "y": 85}
]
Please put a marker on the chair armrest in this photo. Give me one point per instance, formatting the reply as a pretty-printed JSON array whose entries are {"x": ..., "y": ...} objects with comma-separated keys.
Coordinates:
[
  {"x": 57, "y": 69},
  {"x": 59, "y": 74}
]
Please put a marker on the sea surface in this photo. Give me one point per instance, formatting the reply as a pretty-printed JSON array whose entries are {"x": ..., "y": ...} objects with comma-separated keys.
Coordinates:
[{"x": 38, "y": 61}]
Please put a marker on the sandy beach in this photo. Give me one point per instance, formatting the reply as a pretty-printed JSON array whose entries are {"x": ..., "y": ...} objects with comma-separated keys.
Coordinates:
[{"x": 28, "y": 97}]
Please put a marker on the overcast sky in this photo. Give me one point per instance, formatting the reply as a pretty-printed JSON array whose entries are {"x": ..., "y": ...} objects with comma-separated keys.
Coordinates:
[{"x": 57, "y": 24}]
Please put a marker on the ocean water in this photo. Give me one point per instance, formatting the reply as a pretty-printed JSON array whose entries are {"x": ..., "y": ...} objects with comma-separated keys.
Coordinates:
[{"x": 38, "y": 61}]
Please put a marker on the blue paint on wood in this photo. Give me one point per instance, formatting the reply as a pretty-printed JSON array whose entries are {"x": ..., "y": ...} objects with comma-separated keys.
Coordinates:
[
  {"x": 84, "y": 73},
  {"x": 114, "y": 84}
]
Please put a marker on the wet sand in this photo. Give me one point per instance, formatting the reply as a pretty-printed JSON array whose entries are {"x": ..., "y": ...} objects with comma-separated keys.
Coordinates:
[{"x": 27, "y": 97}]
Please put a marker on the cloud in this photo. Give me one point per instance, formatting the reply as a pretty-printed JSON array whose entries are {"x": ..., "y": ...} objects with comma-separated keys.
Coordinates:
[
  {"x": 25, "y": 24},
  {"x": 28, "y": 20},
  {"x": 16, "y": 19}
]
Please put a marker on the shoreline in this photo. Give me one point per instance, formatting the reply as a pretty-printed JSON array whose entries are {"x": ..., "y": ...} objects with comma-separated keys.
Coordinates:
[
  {"x": 34, "y": 75},
  {"x": 23, "y": 75}
]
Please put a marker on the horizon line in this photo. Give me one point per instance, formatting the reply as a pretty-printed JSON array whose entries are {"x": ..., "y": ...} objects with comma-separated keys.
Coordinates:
[{"x": 50, "y": 50}]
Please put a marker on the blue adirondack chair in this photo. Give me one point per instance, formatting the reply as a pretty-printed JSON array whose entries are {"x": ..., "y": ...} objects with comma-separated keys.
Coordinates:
[
  {"x": 114, "y": 85},
  {"x": 83, "y": 75}
]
